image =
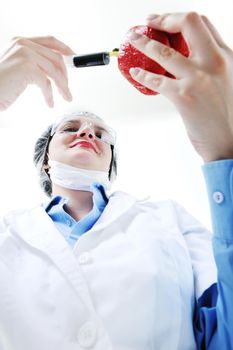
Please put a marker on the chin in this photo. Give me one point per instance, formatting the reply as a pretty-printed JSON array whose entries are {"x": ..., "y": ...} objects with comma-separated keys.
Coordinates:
[{"x": 83, "y": 164}]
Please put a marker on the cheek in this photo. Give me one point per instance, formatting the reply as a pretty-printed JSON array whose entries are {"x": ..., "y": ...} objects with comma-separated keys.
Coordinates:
[
  {"x": 52, "y": 149},
  {"x": 56, "y": 146},
  {"x": 55, "y": 152},
  {"x": 107, "y": 156}
]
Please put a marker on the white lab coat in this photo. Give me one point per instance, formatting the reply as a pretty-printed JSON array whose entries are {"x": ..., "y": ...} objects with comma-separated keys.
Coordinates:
[{"x": 128, "y": 284}]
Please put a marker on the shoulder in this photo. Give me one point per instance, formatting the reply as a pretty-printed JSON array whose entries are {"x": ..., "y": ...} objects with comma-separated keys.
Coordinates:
[
  {"x": 144, "y": 202},
  {"x": 167, "y": 207},
  {"x": 12, "y": 217},
  {"x": 167, "y": 210}
]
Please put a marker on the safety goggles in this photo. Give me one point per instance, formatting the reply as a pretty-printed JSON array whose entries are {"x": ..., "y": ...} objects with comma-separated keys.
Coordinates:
[{"x": 73, "y": 124}]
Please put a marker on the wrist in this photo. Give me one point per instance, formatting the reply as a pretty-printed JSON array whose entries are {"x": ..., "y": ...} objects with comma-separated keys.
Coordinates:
[{"x": 215, "y": 156}]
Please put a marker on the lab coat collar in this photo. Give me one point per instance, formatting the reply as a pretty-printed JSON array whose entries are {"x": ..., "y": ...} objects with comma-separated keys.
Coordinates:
[
  {"x": 38, "y": 230},
  {"x": 119, "y": 203}
]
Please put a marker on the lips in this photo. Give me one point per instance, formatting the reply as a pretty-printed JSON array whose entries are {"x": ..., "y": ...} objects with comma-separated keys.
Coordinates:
[{"x": 84, "y": 144}]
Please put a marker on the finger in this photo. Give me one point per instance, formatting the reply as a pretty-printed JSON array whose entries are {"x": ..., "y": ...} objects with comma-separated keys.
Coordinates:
[
  {"x": 167, "y": 57},
  {"x": 194, "y": 30},
  {"x": 53, "y": 43},
  {"x": 214, "y": 32},
  {"x": 155, "y": 82},
  {"x": 53, "y": 56},
  {"x": 40, "y": 79},
  {"x": 50, "y": 69}
]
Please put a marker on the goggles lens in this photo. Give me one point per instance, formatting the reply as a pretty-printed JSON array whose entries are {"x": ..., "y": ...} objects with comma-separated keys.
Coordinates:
[{"x": 73, "y": 125}]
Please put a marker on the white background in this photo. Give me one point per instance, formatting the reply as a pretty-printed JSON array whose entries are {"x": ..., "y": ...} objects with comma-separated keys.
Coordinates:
[{"x": 155, "y": 157}]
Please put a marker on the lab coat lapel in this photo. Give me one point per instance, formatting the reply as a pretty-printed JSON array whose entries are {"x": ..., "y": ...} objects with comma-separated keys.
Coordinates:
[
  {"x": 37, "y": 229},
  {"x": 119, "y": 203}
]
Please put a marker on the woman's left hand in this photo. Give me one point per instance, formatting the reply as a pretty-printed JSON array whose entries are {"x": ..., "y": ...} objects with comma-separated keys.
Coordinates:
[
  {"x": 36, "y": 60},
  {"x": 203, "y": 90}
]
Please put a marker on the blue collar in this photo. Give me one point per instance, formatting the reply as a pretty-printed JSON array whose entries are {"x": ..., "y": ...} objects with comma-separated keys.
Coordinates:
[
  {"x": 68, "y": 227},
  {"x": 100, "y": 200}
]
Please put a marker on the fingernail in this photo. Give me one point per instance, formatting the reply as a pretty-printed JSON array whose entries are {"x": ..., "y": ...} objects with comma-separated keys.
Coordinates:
[
  {"x": 152, "y": 17},
  {"x": 134, "y": 35},
  {"x": 134, "y": 71}
]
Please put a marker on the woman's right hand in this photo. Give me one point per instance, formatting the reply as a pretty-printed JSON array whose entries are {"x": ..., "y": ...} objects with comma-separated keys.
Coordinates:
[{"x": 33, "y": 61}]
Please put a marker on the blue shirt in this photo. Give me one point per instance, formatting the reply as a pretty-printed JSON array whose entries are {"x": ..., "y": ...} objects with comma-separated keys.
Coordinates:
[
  {"x": 69, "y": 227},
  {"x": 213, "y": 323}
]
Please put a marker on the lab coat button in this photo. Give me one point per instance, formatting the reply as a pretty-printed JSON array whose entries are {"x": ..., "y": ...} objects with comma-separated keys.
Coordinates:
[
  {"x": 87, "y": 335},
  {"x": 218, "y": 197},
  {"x": 84, "y": 258}
]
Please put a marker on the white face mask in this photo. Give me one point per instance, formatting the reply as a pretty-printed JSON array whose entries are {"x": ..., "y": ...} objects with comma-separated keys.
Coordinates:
[{"x": 76, "y": 178}]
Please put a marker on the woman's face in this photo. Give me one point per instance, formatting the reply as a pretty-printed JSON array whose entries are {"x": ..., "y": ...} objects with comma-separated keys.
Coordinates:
[{"x": 77, "y": 142}]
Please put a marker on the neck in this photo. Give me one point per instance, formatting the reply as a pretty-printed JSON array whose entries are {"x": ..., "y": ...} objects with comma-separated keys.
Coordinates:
[{"x": 80, "y": 202}]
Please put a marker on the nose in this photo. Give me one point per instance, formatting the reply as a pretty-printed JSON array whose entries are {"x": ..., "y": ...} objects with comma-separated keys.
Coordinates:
[{"x": 87, "y": 132}]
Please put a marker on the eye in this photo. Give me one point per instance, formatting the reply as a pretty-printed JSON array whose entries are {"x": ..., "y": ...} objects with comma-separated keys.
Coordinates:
[
  {"x": 71, "y": 129},
  {"x": 98, "y": 134}
]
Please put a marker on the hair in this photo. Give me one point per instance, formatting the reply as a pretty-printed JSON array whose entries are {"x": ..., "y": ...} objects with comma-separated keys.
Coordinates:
[{"x": 40, "y": 159}]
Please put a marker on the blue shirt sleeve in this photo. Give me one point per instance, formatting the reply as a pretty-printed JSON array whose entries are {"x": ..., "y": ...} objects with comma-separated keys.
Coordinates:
[{"x": 213, "y": 321}]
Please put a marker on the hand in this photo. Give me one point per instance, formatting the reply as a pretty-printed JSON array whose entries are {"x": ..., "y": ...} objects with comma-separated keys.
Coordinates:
[
  {"x": 203, "y": 90},
  {"x": 33, "y": 61}
]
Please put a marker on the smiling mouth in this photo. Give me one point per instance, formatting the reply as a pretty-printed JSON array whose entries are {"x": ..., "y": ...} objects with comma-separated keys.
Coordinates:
[{"x": 84, "y": 144}]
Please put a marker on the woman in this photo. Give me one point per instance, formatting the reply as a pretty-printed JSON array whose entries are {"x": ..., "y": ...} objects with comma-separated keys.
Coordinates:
[
  {"x": 88, "y": 270},
  {"x": 132, "y": 262}
]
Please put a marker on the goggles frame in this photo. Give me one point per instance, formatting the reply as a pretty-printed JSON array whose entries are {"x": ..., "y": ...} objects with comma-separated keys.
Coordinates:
[{"x": 72, "y": 126}]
